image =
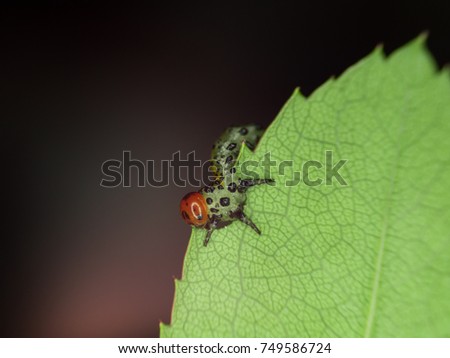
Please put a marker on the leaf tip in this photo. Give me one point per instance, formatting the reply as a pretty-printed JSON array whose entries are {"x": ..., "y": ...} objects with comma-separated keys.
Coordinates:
[
  {"x": 297, "y": 92},
  {"x": 420, "y": 41},
  {"x": 176, "y": 281},
  {"x": 378, "y": 50},
  {"x": 446, "y": 70},
  {"x": 423, "y": 36},
  {"x": 163, "y": 328},
  {"x": 296, "y": 95},
  {"x": 379, "y": 47}
]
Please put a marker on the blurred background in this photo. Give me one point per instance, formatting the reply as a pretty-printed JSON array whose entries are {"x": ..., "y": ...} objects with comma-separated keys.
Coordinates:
[{"x": 82, "y": 83}]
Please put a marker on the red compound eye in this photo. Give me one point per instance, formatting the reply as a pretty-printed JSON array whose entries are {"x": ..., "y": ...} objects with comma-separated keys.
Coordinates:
[{"x": 194, "y": 210}]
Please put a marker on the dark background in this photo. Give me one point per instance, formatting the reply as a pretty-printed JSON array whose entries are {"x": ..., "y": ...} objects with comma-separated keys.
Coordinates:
[{"x": 81, "y": 83}]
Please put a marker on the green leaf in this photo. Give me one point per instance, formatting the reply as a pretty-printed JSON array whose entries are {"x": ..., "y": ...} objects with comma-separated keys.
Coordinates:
[{"x": 367, "y": 259}]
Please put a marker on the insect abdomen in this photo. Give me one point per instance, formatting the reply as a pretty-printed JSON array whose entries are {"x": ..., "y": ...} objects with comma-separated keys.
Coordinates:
[{"x": 226, "y": 149}]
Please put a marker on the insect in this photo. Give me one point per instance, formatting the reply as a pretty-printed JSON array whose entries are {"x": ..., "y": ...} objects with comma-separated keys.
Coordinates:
[
  {"x": 222, "y": 202},
  {"x": 226, "y": 149}
]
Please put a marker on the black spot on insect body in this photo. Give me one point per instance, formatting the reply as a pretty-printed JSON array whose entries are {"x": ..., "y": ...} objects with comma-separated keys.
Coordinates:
[
  {"x": 214, "y": 210},
  {"x": 250, "y": 145},
  {"x": 232, "y": 187},
  {"x": 209, "y": 201},
  {"x": 209, "y": 189},
  {"x": 224, "y": 201},
  {"x": 243, "y": 185},
  {"x": 231, "y": 146},
  {"x": 243, "y": 131},
  {"x": 233, "y": 170},
  {"x": 220, "y": 187},
  {"x": 229, "y": 159}
]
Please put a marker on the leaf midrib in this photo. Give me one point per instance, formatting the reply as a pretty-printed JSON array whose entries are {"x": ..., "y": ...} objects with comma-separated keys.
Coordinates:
[{"x": 383, "y": 235}]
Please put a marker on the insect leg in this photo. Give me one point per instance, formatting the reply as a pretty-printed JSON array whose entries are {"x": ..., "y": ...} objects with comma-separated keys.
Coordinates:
[
  {"x": 210, "y": 227},
  {"x": 244, "y": 184},
  {"x": 208, "y": 236},
  {"x": 241, "y": 216}
]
